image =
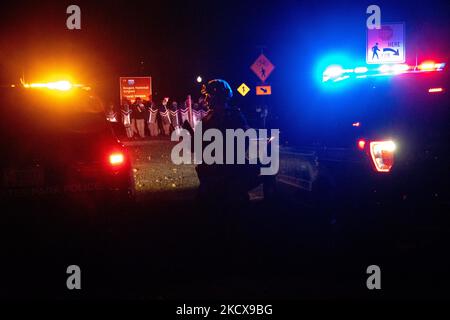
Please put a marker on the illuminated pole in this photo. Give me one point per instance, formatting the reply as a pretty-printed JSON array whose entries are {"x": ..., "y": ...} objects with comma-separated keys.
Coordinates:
[{"x": 189, "y": 105}]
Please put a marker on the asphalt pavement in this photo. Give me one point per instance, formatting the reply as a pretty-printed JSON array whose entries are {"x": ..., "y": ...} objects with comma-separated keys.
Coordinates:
[{"x": 166, "y": 246}]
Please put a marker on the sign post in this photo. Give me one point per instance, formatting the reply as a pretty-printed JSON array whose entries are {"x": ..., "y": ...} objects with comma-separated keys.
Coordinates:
[
  {"x": 189, "y": 106},
  {"x": 386, "y": 45}
]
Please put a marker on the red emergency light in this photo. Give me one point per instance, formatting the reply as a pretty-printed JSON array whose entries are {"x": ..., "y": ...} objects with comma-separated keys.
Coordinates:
[{"x": 430, "y": 66}]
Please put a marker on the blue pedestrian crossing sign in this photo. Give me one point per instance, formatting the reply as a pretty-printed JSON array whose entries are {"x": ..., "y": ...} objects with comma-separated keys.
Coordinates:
[{"x": 386, "y": 45}]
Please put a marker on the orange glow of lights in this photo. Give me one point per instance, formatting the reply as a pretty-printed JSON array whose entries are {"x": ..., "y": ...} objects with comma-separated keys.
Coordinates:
[
  {"x": 58, "y": 85},
  {"x": 116, "y": 158},
  {"x": 427, "y": 66},
  {"x": 434, "y": 90}
]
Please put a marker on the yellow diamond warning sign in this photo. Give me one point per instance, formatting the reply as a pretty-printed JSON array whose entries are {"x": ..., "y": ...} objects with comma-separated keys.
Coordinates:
[{"x": 243, "y": 89}]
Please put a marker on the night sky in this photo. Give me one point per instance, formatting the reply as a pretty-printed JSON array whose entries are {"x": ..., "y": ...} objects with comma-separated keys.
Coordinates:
[{"x": 174, "y": 42}]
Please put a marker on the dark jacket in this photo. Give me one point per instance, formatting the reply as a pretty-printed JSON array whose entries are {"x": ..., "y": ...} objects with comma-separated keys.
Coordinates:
[{"x": 138, "y": 111}]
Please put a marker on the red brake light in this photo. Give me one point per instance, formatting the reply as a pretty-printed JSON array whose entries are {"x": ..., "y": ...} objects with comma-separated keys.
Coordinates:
[
  {"x": 116, "y": 158},
  {"x": 361, "y": 144},
  {"x": 382, "y": 153}
]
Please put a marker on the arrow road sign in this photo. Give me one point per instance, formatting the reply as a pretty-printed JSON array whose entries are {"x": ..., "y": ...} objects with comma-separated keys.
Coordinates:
[
  {"x": 263, "y": 90},
  {"x": 391, "y": 50}
]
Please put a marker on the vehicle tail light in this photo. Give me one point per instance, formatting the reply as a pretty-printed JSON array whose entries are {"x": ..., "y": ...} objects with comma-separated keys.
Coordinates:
[
  {"x": 116, "y": 159},
  {"x": 361, "y": 144},
  {"x": 382, "y": 154}
]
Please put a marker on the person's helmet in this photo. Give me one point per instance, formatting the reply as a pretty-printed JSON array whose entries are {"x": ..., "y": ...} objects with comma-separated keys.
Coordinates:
[{"x": 217, "y": 90}]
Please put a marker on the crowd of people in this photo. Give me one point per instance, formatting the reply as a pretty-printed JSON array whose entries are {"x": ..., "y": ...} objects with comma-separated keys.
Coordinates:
[{"x": 143, "y": 119}]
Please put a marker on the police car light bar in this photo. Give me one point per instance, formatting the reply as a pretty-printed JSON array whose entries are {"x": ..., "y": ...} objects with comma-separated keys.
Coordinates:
[
  {"x": 336, "y": 73},
  {"x": 58, "y": 85}
]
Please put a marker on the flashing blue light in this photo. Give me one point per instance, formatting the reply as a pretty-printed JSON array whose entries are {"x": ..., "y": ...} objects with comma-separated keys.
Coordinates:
[
  {"x": 333, "y": 71},
  {"x": 361, "y": 70},
  {"x": 330, "y": 61},
  {"x": 400, "y": 68},
  {"x": 341, "y": 78},
  {"x": 384, "y": 68}
]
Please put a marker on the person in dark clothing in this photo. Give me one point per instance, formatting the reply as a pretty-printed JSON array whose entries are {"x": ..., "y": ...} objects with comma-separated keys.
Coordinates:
[
  {"x": 139, "y": 117},
  {"x": 261, "y": 115},
  {"x": 226, "y": 184}
]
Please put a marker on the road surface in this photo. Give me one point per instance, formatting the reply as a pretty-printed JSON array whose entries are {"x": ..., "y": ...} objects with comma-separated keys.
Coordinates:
[{"x": 164, "y": 248}]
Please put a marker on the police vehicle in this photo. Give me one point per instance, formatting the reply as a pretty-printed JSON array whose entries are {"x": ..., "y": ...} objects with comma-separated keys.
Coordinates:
[
  {"x": 57, "y": 147},
  {"x": 377, "y": 136}
]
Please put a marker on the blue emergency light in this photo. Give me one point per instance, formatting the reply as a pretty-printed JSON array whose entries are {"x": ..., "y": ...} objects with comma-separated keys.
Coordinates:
[{"x": 336, "y": 73}]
